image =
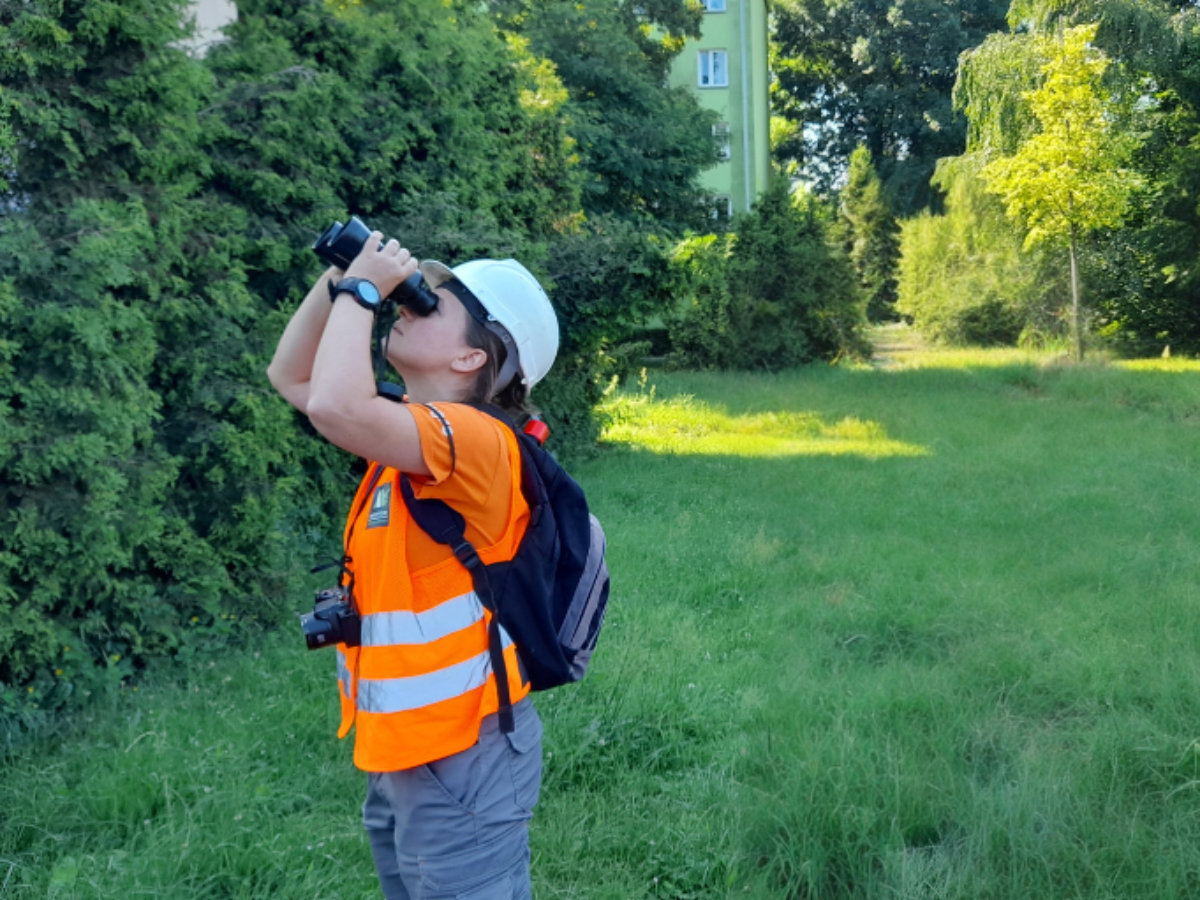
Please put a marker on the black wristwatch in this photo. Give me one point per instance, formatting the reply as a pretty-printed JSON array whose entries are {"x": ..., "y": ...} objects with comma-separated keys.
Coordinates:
[{"x": 363, "y": 291}]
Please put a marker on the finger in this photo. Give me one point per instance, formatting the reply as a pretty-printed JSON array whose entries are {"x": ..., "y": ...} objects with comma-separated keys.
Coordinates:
[
  {"x": 403, "y": 256},
  {"x": 375, "y": 240},
  {"x": 392, "y": 247}
]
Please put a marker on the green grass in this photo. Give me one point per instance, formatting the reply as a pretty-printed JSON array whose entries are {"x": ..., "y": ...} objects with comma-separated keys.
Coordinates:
[{"x": 929, "y": 632}]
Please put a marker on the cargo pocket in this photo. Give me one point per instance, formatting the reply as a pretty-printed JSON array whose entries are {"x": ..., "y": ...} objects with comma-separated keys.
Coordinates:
[
  {"x": 496, "y": 871},
  {"x": 526, "y": 760}
]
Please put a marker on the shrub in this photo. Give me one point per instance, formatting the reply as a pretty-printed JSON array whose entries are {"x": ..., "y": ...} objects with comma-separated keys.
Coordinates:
[
  {"x": 606, "y": 278},
  {"x": 965, "y": 278},
  {"x": 870, "y": 234},
  {"x": 778, "y": 295},
  {"x": 700, "y": 333},
  {"x": 155, "y": 220},
  {"x": 99, "y": 168}
]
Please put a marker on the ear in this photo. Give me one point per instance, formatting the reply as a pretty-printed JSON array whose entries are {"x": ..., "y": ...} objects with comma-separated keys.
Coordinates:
[{"x": 472, "y": 360}]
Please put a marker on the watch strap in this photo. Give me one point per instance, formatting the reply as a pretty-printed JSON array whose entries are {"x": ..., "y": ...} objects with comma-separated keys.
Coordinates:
[{"x": 350, "y": 286}]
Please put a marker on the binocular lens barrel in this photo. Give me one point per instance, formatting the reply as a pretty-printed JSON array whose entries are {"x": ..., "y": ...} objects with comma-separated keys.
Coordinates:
[{"x": 338, "y": 246}]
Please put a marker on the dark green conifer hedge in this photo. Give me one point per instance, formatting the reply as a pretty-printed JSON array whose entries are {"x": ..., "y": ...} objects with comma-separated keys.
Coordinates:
[
  {"x": 777, "y": 292},
  {"x": 156, "y": 212}
]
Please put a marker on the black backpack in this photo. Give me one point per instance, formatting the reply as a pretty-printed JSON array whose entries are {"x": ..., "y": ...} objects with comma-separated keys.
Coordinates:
[{"x": 552, "y": 595}]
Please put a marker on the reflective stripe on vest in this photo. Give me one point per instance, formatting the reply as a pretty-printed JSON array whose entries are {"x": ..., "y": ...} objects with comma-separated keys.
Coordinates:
[
  {"x": 393, "y": 695},
  {"x": 393, "y": 629},
  {"x": 343, "y": 672}
]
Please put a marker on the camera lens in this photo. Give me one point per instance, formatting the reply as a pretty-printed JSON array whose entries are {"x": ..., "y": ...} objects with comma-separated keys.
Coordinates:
[{"x": 318, "y": 632}]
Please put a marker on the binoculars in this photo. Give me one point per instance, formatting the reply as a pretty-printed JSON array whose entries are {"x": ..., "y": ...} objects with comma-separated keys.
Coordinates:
[{"x": 341, "y": 243}]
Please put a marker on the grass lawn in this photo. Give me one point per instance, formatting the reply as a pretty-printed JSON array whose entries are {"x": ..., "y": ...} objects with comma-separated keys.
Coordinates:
[{"x": 927, "y": 632}]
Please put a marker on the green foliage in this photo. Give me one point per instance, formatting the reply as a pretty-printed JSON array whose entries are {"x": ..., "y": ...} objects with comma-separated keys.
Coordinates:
[
  {"x": 608, "y": 277},
  {"x": 964, "y": 276},
  {"x": 153, "y": 242},
  {"x": 1067, "y": 179},
  {"x": 789, "y": 295},
  {"x": 701, "y": 337},
  {"x": 1140, "y": 276},
  {"x": 993, "y": 80},
  {"x": 870, "y": 235},
  {"x": 103, "y": 162},
  {"x": 876, "y": 73},
  {"x": 641, "y": 143}
]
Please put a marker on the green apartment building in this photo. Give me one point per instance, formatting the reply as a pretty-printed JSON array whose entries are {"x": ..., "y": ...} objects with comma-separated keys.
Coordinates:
[{"x": 727, "y": 68}]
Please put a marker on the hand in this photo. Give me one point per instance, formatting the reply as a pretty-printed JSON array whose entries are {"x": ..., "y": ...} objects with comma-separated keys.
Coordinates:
[{"x": 385, "y": 267}]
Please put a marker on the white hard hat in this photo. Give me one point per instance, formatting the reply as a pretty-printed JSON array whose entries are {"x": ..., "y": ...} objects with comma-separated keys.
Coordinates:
[{"x": 514, "y": 299}]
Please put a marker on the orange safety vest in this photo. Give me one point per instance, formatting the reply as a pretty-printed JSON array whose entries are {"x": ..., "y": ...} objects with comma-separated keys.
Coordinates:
[{"x": 418, "y": 686}]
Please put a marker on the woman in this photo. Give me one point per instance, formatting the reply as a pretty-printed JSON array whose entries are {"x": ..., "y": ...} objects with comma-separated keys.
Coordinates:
[{"x": 449, "y": 795}]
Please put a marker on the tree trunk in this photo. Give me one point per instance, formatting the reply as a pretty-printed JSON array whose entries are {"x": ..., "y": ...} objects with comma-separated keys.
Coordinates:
[{"x": 1076, "y": 314}]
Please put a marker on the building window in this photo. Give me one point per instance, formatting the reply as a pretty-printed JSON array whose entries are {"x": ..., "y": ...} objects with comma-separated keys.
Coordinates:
[
  {"x": 714, "y": 5},
  {"x": 722, "y": 208},
  {"x": 714, "y": 68},
  {"x": 722, "y": 139}
]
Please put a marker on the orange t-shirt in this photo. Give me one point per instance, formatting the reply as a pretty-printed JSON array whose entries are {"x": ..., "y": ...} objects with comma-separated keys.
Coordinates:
[{"x": 399, "y": 570}]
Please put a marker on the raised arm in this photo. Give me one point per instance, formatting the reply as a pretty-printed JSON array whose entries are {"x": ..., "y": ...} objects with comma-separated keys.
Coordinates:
[
  {"x": 343, "y": 404},
  {"x": 291, "y": 368}
]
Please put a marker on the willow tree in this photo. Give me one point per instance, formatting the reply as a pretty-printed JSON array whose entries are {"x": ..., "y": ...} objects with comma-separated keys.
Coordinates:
[{"x": 1068, "y": 179}]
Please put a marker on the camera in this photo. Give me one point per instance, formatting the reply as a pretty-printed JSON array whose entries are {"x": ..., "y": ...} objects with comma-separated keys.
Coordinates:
[
  {"x": 341, "y": 243},
  {"x": 333, "y": 620}
]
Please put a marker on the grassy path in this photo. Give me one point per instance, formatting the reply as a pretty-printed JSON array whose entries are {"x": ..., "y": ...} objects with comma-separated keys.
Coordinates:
[
  {"x": 895, "y": 343},
  {"x": 922, "y": 632}
]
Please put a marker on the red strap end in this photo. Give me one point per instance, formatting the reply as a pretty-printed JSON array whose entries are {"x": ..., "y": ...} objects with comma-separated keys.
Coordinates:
[{"x": 538, "y": 430}]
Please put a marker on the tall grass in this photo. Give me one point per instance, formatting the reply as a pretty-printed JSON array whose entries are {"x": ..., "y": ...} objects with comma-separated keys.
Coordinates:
[{"x": 923, "y": 633}]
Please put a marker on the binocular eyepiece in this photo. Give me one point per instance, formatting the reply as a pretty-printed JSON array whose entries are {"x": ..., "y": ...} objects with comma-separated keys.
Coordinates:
[{"x": 341, "y": 243}]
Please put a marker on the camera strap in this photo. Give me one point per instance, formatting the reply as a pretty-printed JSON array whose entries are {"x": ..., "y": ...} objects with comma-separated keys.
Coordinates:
[{"x": 385, "y": 318}]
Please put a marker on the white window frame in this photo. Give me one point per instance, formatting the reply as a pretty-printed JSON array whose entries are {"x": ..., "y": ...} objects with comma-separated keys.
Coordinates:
[
  {"x": 712, "y": 6},
  {"x": 723, "y": 138},
  {"x": 706, "y": 68}
]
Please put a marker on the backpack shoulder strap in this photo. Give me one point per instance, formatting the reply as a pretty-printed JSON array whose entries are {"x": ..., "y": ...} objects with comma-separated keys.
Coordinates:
[{"x": 445, "y": 526}]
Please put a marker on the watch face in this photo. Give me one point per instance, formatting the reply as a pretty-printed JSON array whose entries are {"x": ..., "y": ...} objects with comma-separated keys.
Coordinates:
[{"x": 368, "y": 292}]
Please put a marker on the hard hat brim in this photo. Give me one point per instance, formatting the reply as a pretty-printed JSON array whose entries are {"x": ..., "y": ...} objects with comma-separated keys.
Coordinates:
[{"x": 436, "y": 273}]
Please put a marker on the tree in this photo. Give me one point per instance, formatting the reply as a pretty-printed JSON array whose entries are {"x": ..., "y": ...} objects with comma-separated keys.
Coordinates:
[
  {"x": 100, "y": 168},
  {"x": 877, "y": 73},
  {"x": 964, "y": 276},
  {"x": 788, "y": 295},
  {"x": 154, "y": 230},
  {"x": 871, "y": 236},
  {"x": 1144, "y": 276},
  {"x": 643, "y": 144},
  {"x": 1068, "y": 180}
]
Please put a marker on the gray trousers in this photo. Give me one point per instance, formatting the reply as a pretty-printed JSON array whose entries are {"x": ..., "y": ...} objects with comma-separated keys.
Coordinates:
[{"x": 458, "y": 828}]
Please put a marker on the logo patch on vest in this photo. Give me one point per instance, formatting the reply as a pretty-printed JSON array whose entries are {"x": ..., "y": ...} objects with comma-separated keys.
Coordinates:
[{"x": 381, "y": 506}]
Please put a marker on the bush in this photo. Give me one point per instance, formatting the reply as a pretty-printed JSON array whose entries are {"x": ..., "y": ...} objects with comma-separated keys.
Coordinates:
[
  {"x": 775, "y": 294},
  {"x": 966, "y": 279},
  {"x": 155, "y": 217},
  {"x": 700, "y": 333},
  {"x": 871, "y": 237},
  {"x": 91, "y": 540},
  {"x": 607, "y": 278}
]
